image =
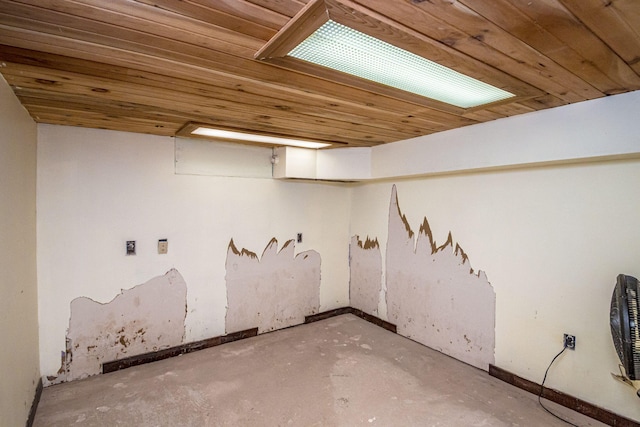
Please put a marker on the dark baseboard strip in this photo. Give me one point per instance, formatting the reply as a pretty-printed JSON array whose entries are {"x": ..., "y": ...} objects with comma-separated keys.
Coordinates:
[
  {"x": 327, "y": 314},
  {"x": 141, "y": 359},
  {"x": 356, "y": 312},
  {"x": 563, "y": 399},
  {"x": 34, "y": 404},
  {"x": 375, "y": 320}
]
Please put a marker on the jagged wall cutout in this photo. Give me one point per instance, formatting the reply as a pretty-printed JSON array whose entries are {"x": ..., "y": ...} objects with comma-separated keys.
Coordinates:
[
  {"x": 274, "y": 291},
  {"x": 433, "y": 296},
  {"x": 145, "y": 318}
]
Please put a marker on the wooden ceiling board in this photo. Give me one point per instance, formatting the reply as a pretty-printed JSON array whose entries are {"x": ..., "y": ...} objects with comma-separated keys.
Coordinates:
[
  {"x": 461, "y": 28},
  {"x": 550, "y": 29},
  {"x": 153, "y": 66},
  {"x": 15, "y": 58},
  {"x": 258, "y": 22},
  {"x": 601, "y": 16},
  {"x": 288, "y": 8}
]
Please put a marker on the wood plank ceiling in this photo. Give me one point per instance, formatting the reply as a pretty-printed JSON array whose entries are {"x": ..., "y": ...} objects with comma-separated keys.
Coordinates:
[{"x": 153, "y": 66}]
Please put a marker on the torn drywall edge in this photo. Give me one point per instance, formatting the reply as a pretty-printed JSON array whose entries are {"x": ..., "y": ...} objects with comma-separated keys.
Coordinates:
[
  {"x": 274, "y": 291},
  {"x": 148, "y": 317},
  {"x": 433, "y": 296}
]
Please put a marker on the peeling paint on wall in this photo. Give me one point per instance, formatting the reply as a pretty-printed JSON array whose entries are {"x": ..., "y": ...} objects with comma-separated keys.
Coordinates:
[
  {"x": 433, "y": 296},
  {"x": 365, "y": 284},
  {"x": 145, "y": 318},
  {"x": 272, "y": 292}
]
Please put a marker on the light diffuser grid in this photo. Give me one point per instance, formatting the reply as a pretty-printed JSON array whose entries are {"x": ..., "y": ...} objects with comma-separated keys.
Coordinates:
[{"x": 341, "y": 48}]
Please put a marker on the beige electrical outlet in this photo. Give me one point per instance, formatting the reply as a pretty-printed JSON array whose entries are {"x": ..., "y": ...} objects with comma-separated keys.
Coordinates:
[{"x": 163, "y": 246}]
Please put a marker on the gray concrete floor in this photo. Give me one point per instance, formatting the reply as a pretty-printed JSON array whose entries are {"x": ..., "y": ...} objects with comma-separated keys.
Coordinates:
[{"x": 341, "y": 371}]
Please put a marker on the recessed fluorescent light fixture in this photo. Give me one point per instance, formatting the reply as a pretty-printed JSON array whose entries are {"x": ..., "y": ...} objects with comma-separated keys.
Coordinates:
[
  {"x": 264, "y": 139},
  {"x": 344, "y": 49}
]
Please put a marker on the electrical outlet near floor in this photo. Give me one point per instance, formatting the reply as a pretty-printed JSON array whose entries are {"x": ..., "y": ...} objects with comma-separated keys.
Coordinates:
[{"x": 570, "y": 341}]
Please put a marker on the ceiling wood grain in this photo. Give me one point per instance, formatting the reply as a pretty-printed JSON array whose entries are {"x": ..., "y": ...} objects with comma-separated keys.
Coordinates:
[{"x": 153, "y": 66}]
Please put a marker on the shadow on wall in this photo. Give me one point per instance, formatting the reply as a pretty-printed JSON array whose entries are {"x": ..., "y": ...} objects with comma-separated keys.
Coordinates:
[
  {"x": 145, "y": 318},
  {"x": 273, "y": 292},
  {"x": 432, "y": 294}
]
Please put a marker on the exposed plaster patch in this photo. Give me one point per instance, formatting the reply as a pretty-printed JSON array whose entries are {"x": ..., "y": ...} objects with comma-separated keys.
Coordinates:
[
  {"x": 365, "y": 284},
  {"x": 433, "y": 296},
  {"x": 273, "y": 292},
  {"x": 145, "y": 318}
]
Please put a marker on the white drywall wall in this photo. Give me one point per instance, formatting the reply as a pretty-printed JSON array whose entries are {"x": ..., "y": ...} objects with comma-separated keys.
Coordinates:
[
  {"x": 213, "y": 158},
  {"x": 606, "y": 127},
  {"x": 18, "y": 287},
  {"x": 551, "y": 241},
  {"x": 98, "y": 189},
  {"x": 597, "y": 130},
  {"x": 339, "y": 164},
  {"x": 551, "y": 238},
  {"x": 294, "y": 162},
  {"x": 345, "y": 164}
]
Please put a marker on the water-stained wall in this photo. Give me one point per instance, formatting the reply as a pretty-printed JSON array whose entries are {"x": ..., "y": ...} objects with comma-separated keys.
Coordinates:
[
  {"x": 274, "y": 291},
  {"x": 365, "y": 282},
  {"x": 433, "y": 295},
  {"x": 145, "y": 318}
]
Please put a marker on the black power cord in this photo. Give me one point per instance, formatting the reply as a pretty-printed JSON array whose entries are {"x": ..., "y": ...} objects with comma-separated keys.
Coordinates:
[{"x": 542, "y": 389}]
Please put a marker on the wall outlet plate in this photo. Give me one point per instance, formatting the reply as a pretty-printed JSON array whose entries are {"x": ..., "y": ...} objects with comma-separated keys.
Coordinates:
[
  {"x": 163, "y": 246},
  {"x": 131, "y": 247},
  {"x": 570, "y": 341}
]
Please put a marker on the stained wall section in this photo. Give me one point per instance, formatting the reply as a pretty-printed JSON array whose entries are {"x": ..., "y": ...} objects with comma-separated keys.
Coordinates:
[
  {"x": 146, "y": 318},
  {"x": 552, "y": 241},
  {"x": 433, "y": 295},
  {"x": 274, "y": 291},
  {"x": 365, "y": 282},
  {"x": 18, "y": 287}
]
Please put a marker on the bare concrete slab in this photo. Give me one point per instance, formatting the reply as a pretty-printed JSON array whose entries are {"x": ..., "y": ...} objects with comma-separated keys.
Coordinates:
[{"x": 342, "y": 371}]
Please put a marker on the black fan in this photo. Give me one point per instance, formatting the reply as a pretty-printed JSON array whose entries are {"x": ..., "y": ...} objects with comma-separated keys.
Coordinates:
[{"x": 625, "y": 320}]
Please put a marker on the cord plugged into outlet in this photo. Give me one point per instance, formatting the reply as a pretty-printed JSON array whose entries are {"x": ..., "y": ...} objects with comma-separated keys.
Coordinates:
[{"x": 570, "y": 341}]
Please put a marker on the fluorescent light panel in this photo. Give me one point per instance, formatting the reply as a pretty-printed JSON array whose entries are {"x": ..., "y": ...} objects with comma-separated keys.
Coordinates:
[
  {"x": 341, "y": 48},
  {"x": 239, "y": 136}
]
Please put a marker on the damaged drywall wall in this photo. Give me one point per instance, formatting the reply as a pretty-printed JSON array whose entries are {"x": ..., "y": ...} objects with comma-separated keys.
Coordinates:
[
  {"x": 365, "y": 266},
  {"x": 145, "y": 318},
  {"x": 272, "y": 292},
  {"x": 433, "y": 295}
]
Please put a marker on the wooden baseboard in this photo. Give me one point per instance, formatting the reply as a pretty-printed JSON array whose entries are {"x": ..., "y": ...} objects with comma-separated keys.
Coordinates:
[
  {"x": 34, "y": 404},
  {"x": 563, "y": 399},
  {"x": 140, "y": 359},
  {"x": 356, "y": 312},
  {"x": 327, "y": 314},
  {"x": 375, "y": 320}
]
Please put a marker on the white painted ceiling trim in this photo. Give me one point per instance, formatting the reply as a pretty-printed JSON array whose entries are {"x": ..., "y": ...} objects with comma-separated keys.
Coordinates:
[{"x": 601, "y": 129}]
